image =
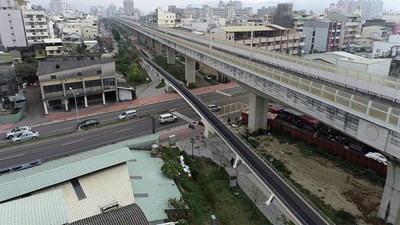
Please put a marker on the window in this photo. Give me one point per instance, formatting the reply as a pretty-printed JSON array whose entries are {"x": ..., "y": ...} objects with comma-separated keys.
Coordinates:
[
  {"x": 79, "y": 74},
  {"x": 78, "y": 189},
  {"x": 75, "y": 85},
  {"x": 52, "y": 88},
  {"x": 53, "y": 77},
  {"x": 93, "y": 83},
  {"x": 57, "y": 66},
  {"x": 98, "y": 71},
  {"x": 109, "y": 82}
]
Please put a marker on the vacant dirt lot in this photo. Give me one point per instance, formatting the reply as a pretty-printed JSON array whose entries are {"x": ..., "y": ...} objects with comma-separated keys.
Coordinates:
[{"x": 323, "y": 178}]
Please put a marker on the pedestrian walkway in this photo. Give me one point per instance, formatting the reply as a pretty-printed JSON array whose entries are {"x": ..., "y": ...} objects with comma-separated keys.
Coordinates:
[{"x": 118, "y": 106}]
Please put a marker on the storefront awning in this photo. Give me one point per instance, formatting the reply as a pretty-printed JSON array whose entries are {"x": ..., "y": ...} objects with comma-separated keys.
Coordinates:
[{"x": 272, "y": 116}]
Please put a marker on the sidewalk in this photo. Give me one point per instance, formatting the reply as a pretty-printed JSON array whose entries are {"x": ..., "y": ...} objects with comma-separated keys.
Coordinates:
[{"x": 112, "y": 107}]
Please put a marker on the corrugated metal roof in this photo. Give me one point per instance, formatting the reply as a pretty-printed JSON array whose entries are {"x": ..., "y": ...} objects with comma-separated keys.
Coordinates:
[
  {"x": 153, "y": 191},
  {"x": 47, "y": 208},
  {"x": 245, "y": 28},
  {"x": 18, "y": 183},
  {"x": 127, "y": 215}
]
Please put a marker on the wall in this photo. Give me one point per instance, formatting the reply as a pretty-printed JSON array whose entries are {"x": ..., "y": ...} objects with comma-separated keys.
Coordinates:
[{"x": 12, "y": 118}]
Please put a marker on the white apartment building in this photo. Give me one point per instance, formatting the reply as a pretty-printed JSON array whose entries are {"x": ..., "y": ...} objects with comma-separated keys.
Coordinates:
[
  {"x": 36, "y": 26},
  {"x": 164, "y": 18},
  {"x": 12, "y": 32},
  {"x": 53, "y": 47},
  {"x": 89, "y": 32},
  {"x": 57, "y": 6},
  {"x": 72, "y": 28},
  {"x": 384, "y": 48}
]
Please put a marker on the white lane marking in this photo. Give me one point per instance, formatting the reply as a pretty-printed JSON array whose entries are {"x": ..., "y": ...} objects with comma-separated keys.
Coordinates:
[
  {"x": 223, "y": 93},
  {"x": 72, "y": 142},
  {"x": 14, "y": 156},
  {"x": 118, "y": 131},
  {"x": 67, "y": 128}
]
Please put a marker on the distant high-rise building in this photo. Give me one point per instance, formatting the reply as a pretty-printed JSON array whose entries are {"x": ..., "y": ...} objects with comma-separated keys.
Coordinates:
[
  {"x": 283, "y": 15},
  {"x": 57, "y": 6},
  {"x": 129, "y": 7},
  {"x": 369, "y": 8},
  {"x": 112, "y": 9}
]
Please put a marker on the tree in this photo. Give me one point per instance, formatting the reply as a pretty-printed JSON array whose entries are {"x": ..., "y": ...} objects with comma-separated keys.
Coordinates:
[
  {"x": 183, "y": 222},
  {"x": 26, "y": 71},
  {"x": 171, "y": 169}
]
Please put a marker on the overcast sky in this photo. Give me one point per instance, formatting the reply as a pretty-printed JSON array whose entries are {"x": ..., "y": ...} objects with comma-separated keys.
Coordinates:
[{"x": 149, "y": 5}]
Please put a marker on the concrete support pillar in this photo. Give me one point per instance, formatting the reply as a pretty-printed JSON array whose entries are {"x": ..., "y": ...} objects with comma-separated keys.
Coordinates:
[
  {"x": 104, "y": 98},
  {"x": 116, "y": 96},
  {"x": 149, "y": 42},
  {"x": 46, "y": 111},
  {"x": 142, "y": 39},
  {"x": 236, "y": 161},
  {"x": 170, "y": 55},
  {"x": 66, "y": 104},
  {"x": 85, "y": 98},
  {"x": 190, "y": 66},
  {"x": 158, "y": 48},
  {"x": 208, "y": 129},
  {"x": 258, "y": 112},
  {"x": 389, "y": 209}
]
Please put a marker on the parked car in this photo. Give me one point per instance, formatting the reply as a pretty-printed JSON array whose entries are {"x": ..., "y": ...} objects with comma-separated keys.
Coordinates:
[
  {"x": 207, "y": 77},
  {"x": 377, "y": 156},
  {"x": 214, "y": 108},
  {"x": 87, "y": 123},
  {"x": 128, "y": 114},
  {"x": 167, "y": 118},
  {"x": 27, "y": 135},
  {"x": 16, "y": 131}
]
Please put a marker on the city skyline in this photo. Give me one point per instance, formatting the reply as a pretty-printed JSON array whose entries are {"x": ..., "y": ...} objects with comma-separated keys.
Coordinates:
[{"x": 148, "y": 6}]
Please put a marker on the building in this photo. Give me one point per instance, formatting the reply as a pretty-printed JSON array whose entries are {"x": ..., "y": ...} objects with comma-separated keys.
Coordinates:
[
  {"x": 129, "y": 8},
  {"x": 91, "y": 76},
  {"x": 163, "y": 18},
  {"x": 112, "y": 10},
  {"x": 8, "y": 81},
  {"x": 81, "y": 189},
  {"x": 57, "y": 6},
  {"x": 53, "y": 47},
  {"x": 269, "y": 37},
  {"x": 12, "y": 32},
  {"x": 350, "y": 29},
  {"x": 321, "y": 36},
  {"x": 377, "y": 32},
  {"x": 384, "y": 48},
  {"x": 36, "y": 26},
  {"x": 89, "y": 31},
  {"x": 283, "y": 15}
]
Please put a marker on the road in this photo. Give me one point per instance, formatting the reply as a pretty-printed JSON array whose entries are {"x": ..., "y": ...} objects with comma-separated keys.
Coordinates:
[{"x": 52, "y": 148}]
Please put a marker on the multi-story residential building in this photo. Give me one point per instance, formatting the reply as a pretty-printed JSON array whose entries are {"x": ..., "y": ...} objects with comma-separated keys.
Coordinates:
[
  {"x": 92, "y": 77},
  {"x": 163, "y": 18},
  {"x": 321, "y": 35},
  {"x": 283, "y": 15},
  {"x": 129, "y": 8},
  {"x": 112, "y": 10},
  {"x": 12, "y": 33},
  {"x": 384, "y": 48},
  {"x": 350, "y": 29},
  {"x": 36, "y": 26},
  {"x": 368, "y": 8},
  {"x": 377, "y": 32},
  {"x": 266, "y": 12},
  {"x": 53, "y": 47},
  {"x": 89, "y": 31},
  {"x": 270, "y": 37},
  {"x": 177, "y": 11},
  {"x": 71, "y": 28},
  {"x": 57, "y": 6}
]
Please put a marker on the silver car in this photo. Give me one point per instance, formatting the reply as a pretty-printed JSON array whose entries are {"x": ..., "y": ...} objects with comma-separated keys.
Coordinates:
[
  {"x": 28, "y": 135},
  {"x": 16, "y": 131}
]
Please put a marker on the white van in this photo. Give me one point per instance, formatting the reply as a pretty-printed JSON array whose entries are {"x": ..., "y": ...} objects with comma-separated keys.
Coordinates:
[
  {"x": 167, "y": 118},
  {"x": 127, "y": 114}
]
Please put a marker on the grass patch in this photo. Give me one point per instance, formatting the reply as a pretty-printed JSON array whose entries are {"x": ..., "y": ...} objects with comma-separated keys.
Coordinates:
[
  {"x": 209, "y": 193},
  {"x": 161, "y": 84},
  {"x": 177, "y": 70}
]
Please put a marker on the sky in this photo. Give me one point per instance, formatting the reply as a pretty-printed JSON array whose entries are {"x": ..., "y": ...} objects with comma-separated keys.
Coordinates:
[{"x": 150, "y": 5}]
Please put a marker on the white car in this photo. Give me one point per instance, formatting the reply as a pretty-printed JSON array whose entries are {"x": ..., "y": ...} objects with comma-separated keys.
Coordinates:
[
  {"x": 28, "y": 135},
  {"x": 214, "y": 108},
  {"x": 127, "y": 114},
  {"x": 377, "y": 156},
  {"x": 16, "y": 131}
]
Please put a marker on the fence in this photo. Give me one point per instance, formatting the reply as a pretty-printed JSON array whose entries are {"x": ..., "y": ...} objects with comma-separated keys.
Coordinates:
[{"x": 13, "y": 118}]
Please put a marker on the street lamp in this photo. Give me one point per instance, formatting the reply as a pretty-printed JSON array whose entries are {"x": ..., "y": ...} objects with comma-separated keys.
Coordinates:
[
  {"x": 192, "y": 141},
  {"x": 211, "y": 39},
  {"x": 76, "y": 104}
]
